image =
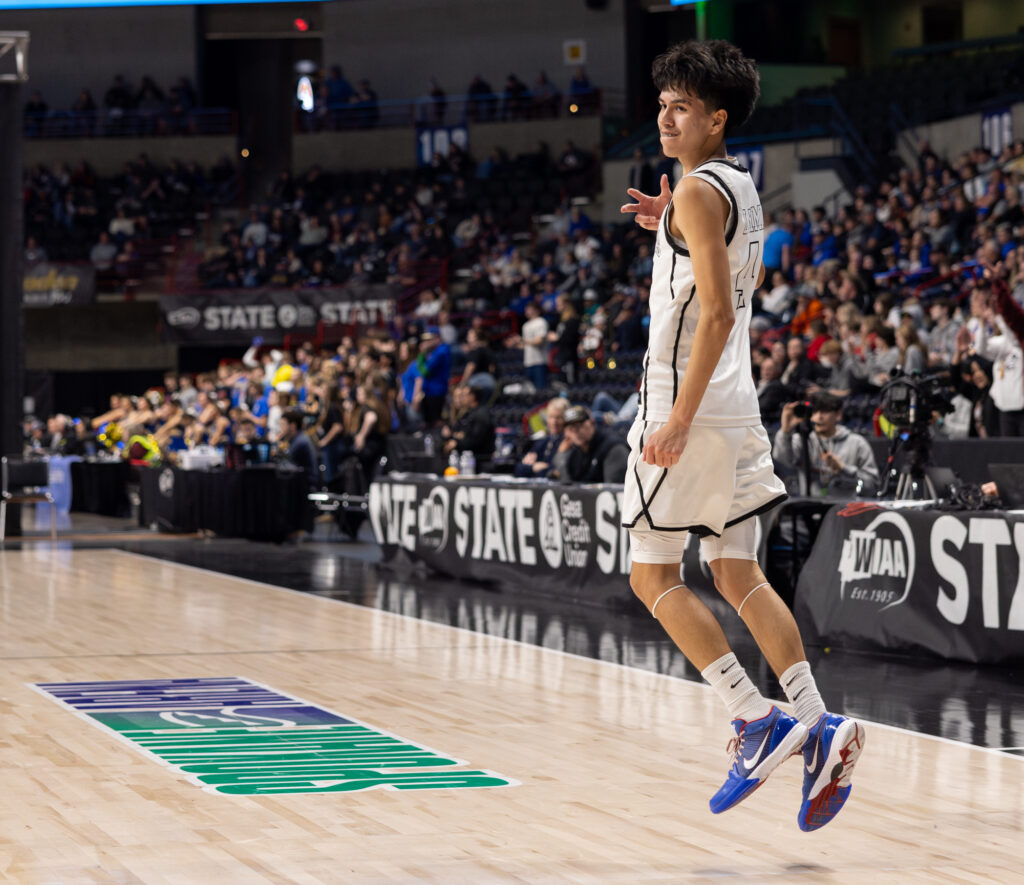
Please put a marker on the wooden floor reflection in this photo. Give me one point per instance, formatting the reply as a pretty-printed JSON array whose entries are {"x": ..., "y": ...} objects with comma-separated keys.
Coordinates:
[{"x": 614, "y": 766}]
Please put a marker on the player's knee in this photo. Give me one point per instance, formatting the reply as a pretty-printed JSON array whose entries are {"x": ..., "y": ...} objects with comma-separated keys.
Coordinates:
[
  {"x": 648, "y": 582},
  {"x": 734, "y": 578},
  {"x": 639, "y": 586}
]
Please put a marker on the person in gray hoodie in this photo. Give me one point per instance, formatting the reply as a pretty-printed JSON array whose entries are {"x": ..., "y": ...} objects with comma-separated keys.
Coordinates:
[{"x": 840, "y": 462}]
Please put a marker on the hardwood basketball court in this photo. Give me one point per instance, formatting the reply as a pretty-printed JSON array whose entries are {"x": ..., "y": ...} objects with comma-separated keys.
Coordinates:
[{"x": 610, "y": 767}]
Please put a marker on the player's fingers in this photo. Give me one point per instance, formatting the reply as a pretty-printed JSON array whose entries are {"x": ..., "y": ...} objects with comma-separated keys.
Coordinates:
[
  {"x": 665, "y": 189},
  {"x": 636, "y": 195},
  {"x": 630, "y": 207}
]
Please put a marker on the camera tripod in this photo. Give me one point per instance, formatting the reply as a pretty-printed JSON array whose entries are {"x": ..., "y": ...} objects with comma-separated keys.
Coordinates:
[{"x": 912, "y": 480}]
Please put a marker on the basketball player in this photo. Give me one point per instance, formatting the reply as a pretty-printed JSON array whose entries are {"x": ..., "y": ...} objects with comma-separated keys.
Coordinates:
[{"x": 700, "y": 460}]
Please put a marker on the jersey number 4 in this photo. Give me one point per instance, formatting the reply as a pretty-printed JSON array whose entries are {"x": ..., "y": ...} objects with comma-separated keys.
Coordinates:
[{"x": 748, "y": 274}]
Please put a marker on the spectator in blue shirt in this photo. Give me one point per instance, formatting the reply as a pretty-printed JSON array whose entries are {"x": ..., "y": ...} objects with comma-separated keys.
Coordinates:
[
  {"x": 823, "y": 245},
  {"x": 435, "y": 368},
  {"x": 778, "y": 248}
]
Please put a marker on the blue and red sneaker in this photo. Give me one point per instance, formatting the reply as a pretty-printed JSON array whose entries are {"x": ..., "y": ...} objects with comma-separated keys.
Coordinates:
[
  {"x": 831, "y": 750},
  {"x": 757, "y": 749}
]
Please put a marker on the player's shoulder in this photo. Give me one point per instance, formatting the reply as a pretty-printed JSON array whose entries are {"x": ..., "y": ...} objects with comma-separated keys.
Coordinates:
[{"x": 694, "y": 194}]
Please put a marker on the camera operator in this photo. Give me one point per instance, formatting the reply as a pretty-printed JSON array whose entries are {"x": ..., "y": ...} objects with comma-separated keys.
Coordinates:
[{"x": 840, "y": 462}]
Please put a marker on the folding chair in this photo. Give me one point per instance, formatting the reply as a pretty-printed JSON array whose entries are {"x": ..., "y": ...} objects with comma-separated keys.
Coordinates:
[{"x": 25, "y": 482}]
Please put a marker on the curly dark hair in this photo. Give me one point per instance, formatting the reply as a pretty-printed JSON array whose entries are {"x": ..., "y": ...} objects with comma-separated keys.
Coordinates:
[{"x": 714, "y": 71}]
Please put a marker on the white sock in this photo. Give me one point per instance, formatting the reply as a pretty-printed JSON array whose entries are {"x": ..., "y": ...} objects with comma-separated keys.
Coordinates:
[
  {"x": 798, "y": 684},
  {"x": 735, "y": 689}
]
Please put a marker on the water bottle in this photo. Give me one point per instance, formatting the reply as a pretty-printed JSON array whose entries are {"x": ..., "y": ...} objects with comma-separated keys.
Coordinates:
[
  {"x": 467, "y": 463},
  {"x": 453, "y": 464},
  {"x": 428, "y": 445}
]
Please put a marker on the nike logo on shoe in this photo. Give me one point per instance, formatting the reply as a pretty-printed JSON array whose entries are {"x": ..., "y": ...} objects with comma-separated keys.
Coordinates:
[{"x": 814, "y": 759}]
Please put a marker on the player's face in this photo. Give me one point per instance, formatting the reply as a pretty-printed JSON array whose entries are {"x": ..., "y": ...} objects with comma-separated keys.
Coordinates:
[{"x": 685, "y": 124}]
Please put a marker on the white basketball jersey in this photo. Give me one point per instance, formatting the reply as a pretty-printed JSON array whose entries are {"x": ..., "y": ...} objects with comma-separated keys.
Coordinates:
[{"x": 731, "y": 397}]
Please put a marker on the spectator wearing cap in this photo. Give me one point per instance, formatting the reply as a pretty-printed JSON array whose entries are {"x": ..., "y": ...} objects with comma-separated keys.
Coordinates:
[
  {"x": 598, "y": 454},
  {"x": 841, "y": 462},
  {"x": 434, "y": 365}
]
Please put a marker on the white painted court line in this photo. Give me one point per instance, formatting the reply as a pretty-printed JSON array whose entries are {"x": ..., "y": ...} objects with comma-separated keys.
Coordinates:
[{"x": 675, "y": 679}]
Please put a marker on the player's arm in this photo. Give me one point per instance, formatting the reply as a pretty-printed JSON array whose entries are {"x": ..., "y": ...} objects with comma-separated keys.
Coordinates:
[
  {"x": 760, "y": 277},
  {"x": 699, "y": 215}
]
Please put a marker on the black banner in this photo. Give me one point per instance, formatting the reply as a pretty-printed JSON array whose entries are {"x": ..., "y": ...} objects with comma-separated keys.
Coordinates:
[
  {"x": 910, "y": 580},
  {"x": 539, "y": 536},
  {"x": 235, "y": 316},
  {"x": 53, "y": 285}
]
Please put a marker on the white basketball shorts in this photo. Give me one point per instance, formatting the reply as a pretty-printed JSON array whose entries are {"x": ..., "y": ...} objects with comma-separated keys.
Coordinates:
[{"x": 724, "y": 476}]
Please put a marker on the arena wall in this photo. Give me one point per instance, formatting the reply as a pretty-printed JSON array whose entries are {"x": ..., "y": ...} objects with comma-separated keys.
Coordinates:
[
  {"x": 75, "y": 49},
  {"x": 386, "y": 42}
]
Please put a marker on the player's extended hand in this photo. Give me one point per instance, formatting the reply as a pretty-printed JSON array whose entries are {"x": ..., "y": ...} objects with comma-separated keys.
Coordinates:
[
  {"x": 666, "y": 445},
  {"x": 648, "y": 210}
]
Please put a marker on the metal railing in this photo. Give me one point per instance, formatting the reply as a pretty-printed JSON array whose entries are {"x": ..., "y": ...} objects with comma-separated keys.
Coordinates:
[
  {"x": 453, "y": 110},
  {"x": 114, "y": 123}
]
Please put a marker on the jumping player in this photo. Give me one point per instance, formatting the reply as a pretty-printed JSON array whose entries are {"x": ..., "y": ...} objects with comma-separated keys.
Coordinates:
[{"x": 700, "y": 460}]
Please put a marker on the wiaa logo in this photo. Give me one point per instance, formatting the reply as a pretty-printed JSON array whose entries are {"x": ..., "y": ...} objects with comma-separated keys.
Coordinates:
[
  {"x": 432, "y": 519},
  {"x": 183, "y": 318},
  {"x": 877, "y": 562}
]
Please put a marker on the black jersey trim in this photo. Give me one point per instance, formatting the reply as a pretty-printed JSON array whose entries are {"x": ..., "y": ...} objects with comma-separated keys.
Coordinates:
[
  {"x": 675, "y": 348},
  {"x": 677, "y": 247},
  {"x": 764, "y": 508},
  {"x": 733, "y": 164},
  {"x": 731, "y": 232},
  {"x": 703, "y": 531},
  {"x": 644, "y": 506}
]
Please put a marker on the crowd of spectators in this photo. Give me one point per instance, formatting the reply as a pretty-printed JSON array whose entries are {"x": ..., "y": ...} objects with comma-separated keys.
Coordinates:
[
  {"x": 74, "y": 214},
  {"x": 920, "y": 274},
  {"x": 321, "y": 229},
  {"x": 125, "y": 109}
]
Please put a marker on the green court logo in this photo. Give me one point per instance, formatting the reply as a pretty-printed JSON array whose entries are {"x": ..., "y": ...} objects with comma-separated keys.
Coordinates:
[{"x": 231, "y": 735}]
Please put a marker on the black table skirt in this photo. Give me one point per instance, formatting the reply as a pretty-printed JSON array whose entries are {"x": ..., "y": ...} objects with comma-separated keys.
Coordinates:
[
  {"x": 100, "y": 487},
  {"x": 259, "y": 503}
]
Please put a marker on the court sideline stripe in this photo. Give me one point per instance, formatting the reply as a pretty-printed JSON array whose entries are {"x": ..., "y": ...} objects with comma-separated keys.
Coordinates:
[{"x": 616, "y": 664}]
